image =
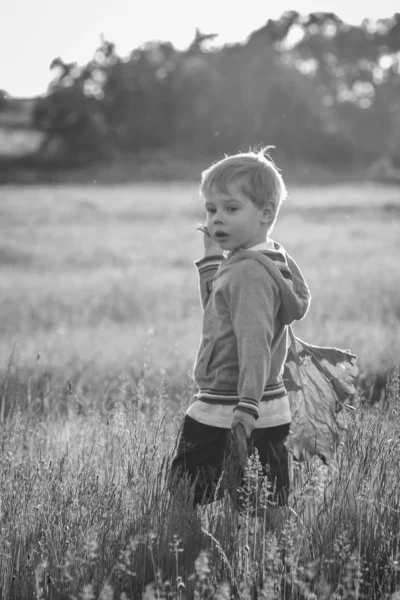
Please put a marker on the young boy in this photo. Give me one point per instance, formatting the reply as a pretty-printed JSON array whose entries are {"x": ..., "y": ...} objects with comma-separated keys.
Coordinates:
[{"x": 251, "y": 290}]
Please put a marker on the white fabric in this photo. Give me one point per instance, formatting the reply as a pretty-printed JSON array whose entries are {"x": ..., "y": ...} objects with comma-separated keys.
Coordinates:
[
  {"x": 267, "y": 245},
  {"x": 271, "y": 413}
]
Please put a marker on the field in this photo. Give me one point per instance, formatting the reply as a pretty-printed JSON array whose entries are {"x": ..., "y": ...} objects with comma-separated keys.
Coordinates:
[{"x": 100, "y": 322}]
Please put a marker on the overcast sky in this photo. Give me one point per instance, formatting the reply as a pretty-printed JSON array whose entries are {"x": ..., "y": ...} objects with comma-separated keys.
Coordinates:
[{"x": 33, "y": 32}]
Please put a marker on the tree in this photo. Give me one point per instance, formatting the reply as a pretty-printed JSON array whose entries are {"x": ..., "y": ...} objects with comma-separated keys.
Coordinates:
[
  {"x": 356, "y": 69},
  {"x": 4, "y": 99},
  {"x": 319, "y": 89}
]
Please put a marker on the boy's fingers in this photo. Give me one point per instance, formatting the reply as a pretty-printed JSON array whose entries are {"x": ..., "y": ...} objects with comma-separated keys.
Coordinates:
[{"x": 202, "y": 228}]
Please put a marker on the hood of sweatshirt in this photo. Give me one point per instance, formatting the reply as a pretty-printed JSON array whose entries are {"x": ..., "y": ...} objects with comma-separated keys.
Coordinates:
[{"x": 294, "y": 291}]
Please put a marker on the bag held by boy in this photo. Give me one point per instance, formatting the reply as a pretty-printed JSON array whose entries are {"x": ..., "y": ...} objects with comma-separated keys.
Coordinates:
[{"x": 320, "y": 382}]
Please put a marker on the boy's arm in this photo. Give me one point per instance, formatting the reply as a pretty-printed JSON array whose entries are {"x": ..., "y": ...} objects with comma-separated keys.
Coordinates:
[
  {"x": 252, "y": 302},
  {"x": 207, "y": 267}
]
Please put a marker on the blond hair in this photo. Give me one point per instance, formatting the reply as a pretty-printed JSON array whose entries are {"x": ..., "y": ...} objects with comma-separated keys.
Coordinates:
[{"x": 256, "y": 174}]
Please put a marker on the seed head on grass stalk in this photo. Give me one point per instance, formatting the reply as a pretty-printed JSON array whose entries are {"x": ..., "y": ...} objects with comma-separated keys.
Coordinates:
[
  {"x": 265, "y": 495},
  {"x": 152, "y": 542},
  {"x": 176, "y": 548},
  {"x": 250, "y": 503}
]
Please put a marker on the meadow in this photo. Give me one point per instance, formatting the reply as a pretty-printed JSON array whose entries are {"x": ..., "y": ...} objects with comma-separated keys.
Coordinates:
[{"x": 100, "y": 323}]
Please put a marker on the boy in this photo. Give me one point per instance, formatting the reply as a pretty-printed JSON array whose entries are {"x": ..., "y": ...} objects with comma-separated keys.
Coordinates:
[{"x": 251, "y": 290}]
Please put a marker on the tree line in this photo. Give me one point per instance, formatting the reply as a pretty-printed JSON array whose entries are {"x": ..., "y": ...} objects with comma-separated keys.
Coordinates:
[{"x": 319, "y": 89}]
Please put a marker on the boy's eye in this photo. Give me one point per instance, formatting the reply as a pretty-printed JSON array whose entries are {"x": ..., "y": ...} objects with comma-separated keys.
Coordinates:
[{"x": 229, "y": 209}]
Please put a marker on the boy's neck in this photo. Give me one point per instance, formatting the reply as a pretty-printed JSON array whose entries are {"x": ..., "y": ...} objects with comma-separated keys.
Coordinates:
[
  {"x": 264, "y": 240},
  {"x": 230, "y": 252}
]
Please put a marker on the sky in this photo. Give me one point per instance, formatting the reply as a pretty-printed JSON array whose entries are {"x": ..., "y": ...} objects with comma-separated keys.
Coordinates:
[{"x": 32, "y": 33}]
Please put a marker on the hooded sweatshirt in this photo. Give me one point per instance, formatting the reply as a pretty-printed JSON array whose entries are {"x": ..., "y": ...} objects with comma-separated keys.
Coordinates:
[{"x": 249, "y": 299}]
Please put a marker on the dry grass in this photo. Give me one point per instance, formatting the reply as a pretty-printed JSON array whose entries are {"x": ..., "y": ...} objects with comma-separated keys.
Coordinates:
[
  {"x": 85, "y": 507},
  {"x": 100, "y": 303}
]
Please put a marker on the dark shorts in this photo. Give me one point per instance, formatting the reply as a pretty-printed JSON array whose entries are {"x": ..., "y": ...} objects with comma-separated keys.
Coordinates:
[{"x": 206, "y": 453}]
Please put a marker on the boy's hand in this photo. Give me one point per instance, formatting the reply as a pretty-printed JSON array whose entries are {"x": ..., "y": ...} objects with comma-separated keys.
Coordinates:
[
  {"x": 247, "y": 421},
  {"x": 210, "y": 246}
]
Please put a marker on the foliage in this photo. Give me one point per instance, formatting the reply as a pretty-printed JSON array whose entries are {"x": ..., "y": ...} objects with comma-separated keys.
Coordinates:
[
  {"x": 4, "y": 99},
  {"x": 329, "y": 96}
]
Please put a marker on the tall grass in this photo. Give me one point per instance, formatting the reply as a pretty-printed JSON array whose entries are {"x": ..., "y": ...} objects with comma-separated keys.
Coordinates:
[
  {"x": 86, "y": 512},
  {"x": 99, "y": 324}
]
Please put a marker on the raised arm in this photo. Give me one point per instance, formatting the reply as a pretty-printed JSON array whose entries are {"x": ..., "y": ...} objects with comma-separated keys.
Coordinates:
[{"x": 208, "y": 265}]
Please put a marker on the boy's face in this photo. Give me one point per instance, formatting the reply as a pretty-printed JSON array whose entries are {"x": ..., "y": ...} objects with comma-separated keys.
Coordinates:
[{"x": 233, "y": 220}]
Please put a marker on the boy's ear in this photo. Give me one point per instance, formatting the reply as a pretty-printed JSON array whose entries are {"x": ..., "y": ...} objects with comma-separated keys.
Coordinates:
[{"x": 267, "y": 214}]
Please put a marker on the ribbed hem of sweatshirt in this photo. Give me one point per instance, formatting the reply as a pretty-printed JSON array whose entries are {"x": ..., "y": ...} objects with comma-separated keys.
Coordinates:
[
  {"x": 230, "y": 397},
  {"x": 249, "y": 405}
]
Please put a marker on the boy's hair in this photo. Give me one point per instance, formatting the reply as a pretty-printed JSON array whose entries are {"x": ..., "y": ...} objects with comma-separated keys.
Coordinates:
[{"x": 257, "y": 175}]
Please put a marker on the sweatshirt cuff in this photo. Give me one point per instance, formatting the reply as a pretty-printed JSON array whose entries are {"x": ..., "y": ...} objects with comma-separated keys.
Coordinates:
[
  {"x": 248, "y": 406},
  {"x": 206, "y": 259},
  {"x": 209, "y": 262}
]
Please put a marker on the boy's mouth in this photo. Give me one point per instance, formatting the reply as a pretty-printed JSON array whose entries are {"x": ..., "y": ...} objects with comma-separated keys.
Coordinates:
[{"x": 220, "y": 235}]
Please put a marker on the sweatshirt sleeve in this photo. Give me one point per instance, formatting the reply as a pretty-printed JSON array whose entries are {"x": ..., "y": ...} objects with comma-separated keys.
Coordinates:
[
  {"x": 252, "y": 302},
  {"x": 207, "y": 267}
]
